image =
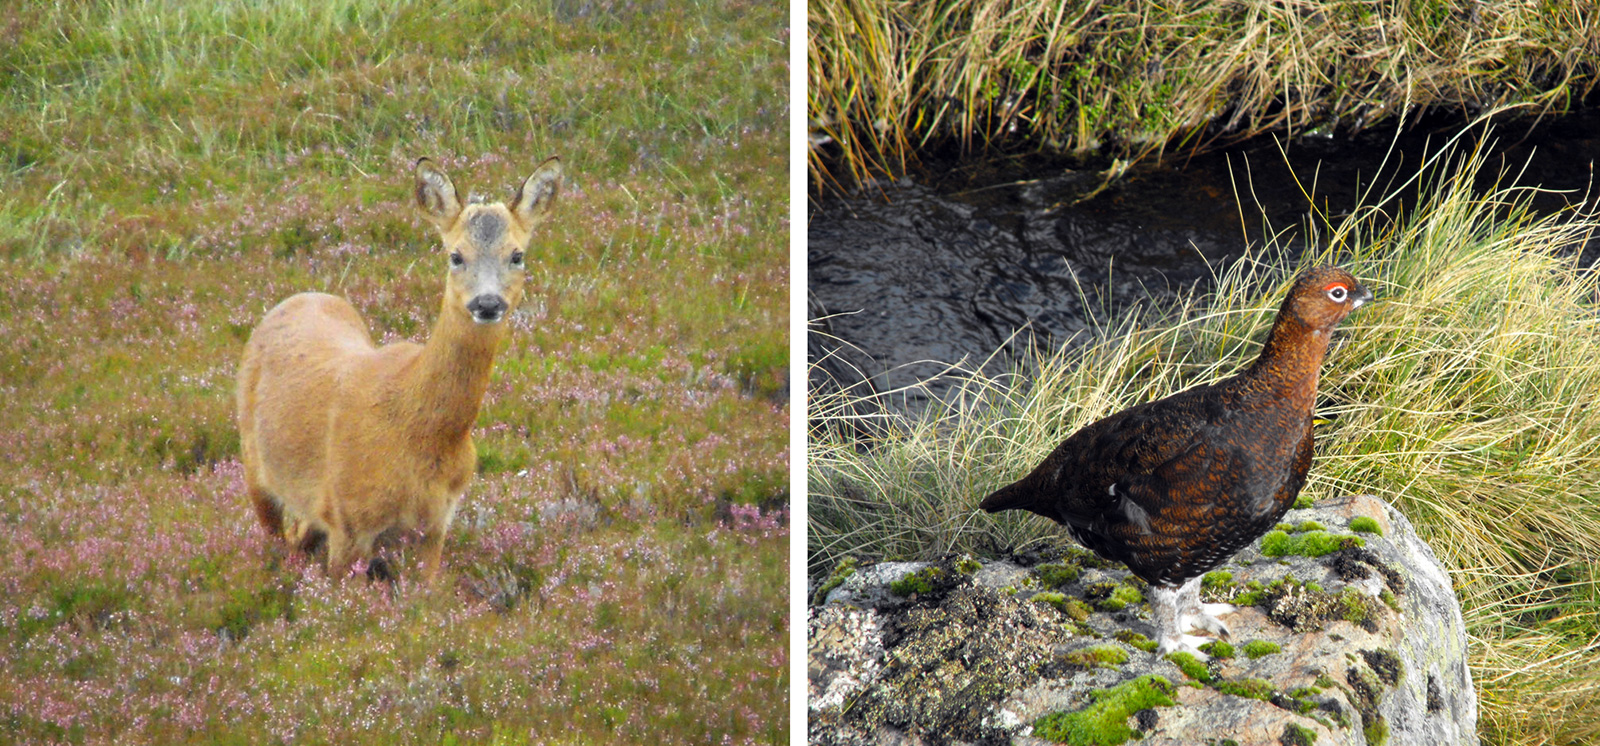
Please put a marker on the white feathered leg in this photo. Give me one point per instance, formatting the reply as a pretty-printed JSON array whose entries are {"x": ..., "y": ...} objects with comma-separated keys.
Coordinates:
[
  {"x": 1196, "y": 615},
  {"x": 1165, "y": 609},
  {"x": 1175, "y": 610}
]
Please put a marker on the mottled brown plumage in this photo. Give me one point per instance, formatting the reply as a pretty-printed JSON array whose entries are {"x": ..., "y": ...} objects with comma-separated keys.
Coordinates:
[{"x": 1175, "y": 487}]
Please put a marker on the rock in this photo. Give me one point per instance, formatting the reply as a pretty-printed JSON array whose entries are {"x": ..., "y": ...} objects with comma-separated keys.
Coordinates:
[{"x": 1360, "y": 645}]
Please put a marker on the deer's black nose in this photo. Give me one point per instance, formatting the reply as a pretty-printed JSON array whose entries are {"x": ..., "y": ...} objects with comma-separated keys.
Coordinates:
[{"x": 487, "y": 309}]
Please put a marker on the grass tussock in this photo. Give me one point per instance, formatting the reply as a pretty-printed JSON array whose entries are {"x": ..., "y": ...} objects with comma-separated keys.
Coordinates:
[
  {"x": 1129, "y": 79},
  {"x": 1464, "y": 396},
  {"x": 171, "y": 169}
]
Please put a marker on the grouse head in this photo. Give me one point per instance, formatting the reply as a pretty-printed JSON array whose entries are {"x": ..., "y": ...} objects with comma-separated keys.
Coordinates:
[{"x": 1323, "y": 296}]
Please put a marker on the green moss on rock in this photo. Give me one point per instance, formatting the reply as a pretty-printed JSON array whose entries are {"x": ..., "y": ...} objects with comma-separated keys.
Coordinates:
[
  {"x": 1314, "y": 543},
  {"x": 1075, "y": 609},
  {"x": 1121, "y": 597},
  {"x": 1248, "y": 688},
  {"x": 920, "y": 582},
  {"x": 957, "y": 653},
  {"x": 1217, "y": 649},
  {"x": 1251, "y": 596},
  {"x": 1104, "y": 656},
  {"x": 1366, "y": 525},
  {"x": 1136, "y": 640},
  {"x": 1057, "y": 574},
  {"x": 1356, "y": 608},
  {"x": 1105, "y": 722},
  {"x": 1295, "y": 735},
  {"x": 1386, "y": 664},
  {"x": 841, "y": 572},
  {"x": 1376, "y": 731},
  {"x": 1307, "y": 606},
  {"x": 1302, "y": 700},
  {"x": 1258, "y": 648},
  {"x": 1275, "y": 543},
  {"x": 1217, "y": 581},
  {"x": 1058, "y": 600},
  {"x": 1191, "y": 666},
  {"x": 1367, "y": 688}
]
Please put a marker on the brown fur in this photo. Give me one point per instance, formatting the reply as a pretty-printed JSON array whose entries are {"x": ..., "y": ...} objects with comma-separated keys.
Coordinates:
[{"x": 346, "y": 439}]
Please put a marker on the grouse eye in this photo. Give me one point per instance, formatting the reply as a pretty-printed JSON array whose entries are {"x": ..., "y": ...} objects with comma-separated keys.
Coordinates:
[
  {"x": 516, "y": 258},
  {"x": 456, "y": 259},
  {"x": 1337, "y": 293}
]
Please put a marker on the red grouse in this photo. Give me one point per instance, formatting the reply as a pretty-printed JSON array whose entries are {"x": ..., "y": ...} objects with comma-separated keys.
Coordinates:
[{"x": 1172, "y": 488}]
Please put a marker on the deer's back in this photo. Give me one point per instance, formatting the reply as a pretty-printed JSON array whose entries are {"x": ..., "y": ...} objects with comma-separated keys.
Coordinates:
[{"x": 289, "y": 379}]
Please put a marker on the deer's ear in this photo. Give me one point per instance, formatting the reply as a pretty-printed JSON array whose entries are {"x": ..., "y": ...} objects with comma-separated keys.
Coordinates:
[
  {"x": 436, "y": 195},
  {"x": 533, "y": 201}
]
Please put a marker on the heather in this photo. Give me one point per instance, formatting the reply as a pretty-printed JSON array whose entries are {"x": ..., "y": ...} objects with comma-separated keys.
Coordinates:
[
  {"x": 1125, "y": 80},
  {"x": 617, "y": 571},
  {"x": 1462, "y": 396}
]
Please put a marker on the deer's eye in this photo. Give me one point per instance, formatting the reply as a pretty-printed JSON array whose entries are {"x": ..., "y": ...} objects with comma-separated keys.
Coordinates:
[
  {"x": 456, "y": 259},
  {"x": 516, "y": 258}
]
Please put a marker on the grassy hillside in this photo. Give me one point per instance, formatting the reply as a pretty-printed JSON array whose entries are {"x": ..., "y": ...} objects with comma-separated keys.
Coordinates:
[
  {"x": 171, "y": 169},
  {"x": 1463, "y": 396}
]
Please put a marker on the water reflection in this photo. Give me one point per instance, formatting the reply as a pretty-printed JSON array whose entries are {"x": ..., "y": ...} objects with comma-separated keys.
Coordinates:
[{"x": 950, "y": 267}]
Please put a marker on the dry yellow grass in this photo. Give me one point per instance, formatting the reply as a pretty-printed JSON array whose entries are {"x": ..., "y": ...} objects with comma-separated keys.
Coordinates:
[{"x": 1129, "y": 79}]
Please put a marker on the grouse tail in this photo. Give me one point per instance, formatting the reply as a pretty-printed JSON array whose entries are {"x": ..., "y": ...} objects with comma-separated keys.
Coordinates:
[{"x": 1010, "y": 497}]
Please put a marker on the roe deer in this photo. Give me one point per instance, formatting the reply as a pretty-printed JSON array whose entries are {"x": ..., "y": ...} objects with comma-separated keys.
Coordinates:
[{"x": 351, "y": 440}]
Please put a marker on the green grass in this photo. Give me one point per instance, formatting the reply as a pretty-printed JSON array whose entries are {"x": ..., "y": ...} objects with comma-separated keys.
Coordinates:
[
  {"x": 1461, "y": 397},
  {"x": 171, "y": 169},
  {"x": 1127, "y": 80}
]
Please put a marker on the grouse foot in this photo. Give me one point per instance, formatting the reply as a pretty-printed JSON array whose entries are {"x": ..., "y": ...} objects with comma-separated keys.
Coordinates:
[
  {"x": 1196, "y": 615},
  {"x": 1178, "y": 609}
]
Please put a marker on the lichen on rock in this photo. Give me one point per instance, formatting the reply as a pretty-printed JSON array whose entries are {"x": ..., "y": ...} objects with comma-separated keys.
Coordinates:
[{"x": 1366, "y": 645}]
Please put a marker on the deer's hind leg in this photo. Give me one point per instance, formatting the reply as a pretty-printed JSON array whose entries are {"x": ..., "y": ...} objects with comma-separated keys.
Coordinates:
[{"x": 268, "y": 511}]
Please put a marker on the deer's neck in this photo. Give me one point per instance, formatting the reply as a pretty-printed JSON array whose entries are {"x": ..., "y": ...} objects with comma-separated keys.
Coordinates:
[{"x": 453, "y": 374}]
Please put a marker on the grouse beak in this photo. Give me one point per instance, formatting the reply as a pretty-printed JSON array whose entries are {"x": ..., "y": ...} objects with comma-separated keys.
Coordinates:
[{"x": 1362, "y": 297}]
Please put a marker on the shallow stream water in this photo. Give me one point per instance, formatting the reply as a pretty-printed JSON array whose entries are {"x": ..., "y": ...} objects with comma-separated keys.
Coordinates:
[{"x": 947, "y": 267}]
